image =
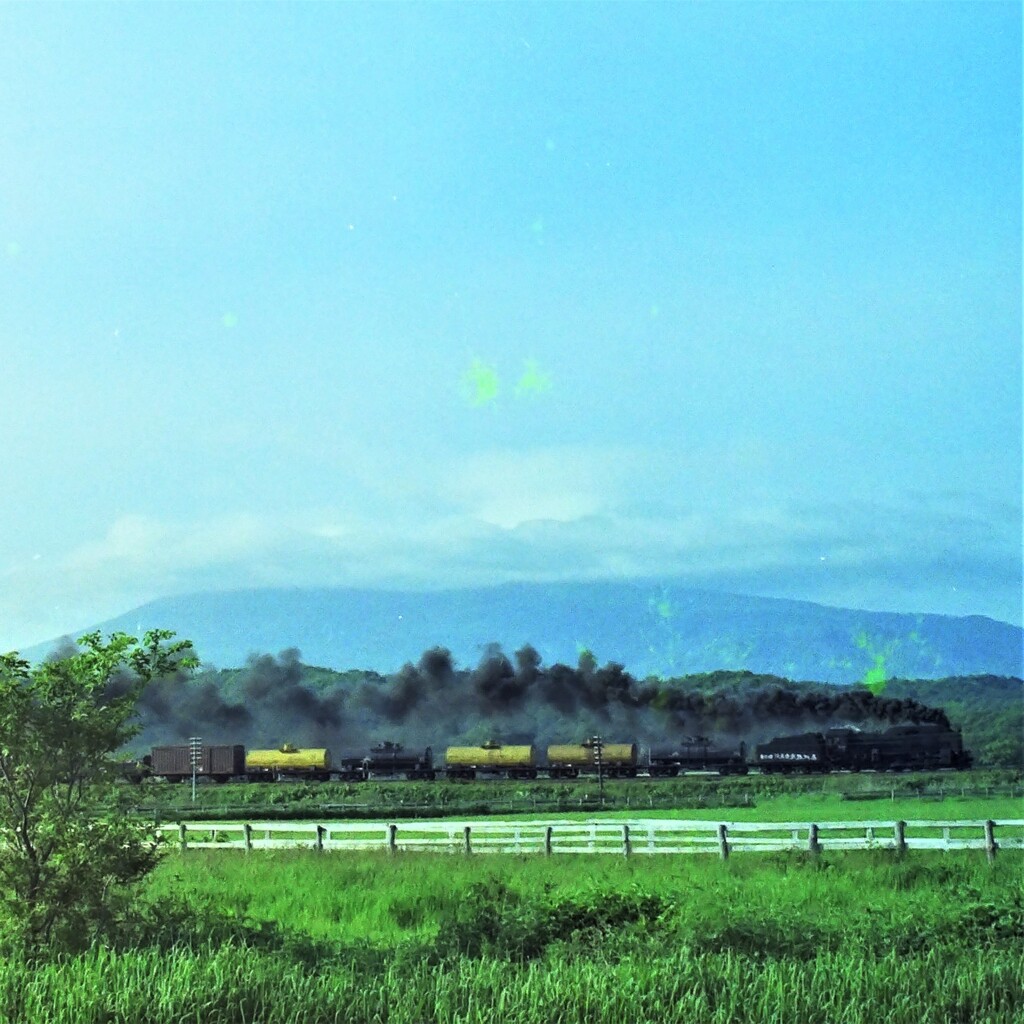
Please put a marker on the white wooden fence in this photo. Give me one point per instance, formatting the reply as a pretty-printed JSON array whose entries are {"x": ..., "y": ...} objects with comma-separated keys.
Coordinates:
[{"x": 625, "y": 838}]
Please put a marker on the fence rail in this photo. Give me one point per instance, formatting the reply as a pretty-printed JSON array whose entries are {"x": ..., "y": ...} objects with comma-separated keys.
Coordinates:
[{"x": 625, "y": 838}]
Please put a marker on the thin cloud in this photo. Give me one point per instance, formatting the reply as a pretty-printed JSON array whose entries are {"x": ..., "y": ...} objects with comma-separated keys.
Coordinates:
[{"x": 881, "y": 557}]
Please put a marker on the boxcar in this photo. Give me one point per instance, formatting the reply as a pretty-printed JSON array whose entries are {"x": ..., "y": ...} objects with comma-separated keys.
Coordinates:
[{"x": 219, "y": 763}]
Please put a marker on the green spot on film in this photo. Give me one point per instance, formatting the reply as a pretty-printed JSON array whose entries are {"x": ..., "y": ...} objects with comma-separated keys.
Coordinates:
[
  {"x": 480, "y": 383},
  {"x": 877, "y": 675},
  {"x": 534, "y": 380}
]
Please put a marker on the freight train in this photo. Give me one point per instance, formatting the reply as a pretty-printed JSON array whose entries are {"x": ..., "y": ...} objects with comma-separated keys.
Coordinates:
[{"x": 900, "y": 748}]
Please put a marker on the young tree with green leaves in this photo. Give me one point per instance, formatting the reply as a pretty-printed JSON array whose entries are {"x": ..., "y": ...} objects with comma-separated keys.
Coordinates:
[{"x": 68, "y": 857}]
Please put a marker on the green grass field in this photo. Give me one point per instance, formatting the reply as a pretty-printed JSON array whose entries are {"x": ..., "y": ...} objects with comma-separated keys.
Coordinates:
[
  {"x": 295, "y": 937},
  {"x": 831, "y": 807},
  {"x": 301, "y": 938}
]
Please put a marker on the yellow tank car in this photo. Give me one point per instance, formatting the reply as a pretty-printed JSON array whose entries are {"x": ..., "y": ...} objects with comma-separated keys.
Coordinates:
[
  {"x": 567, "y": 760},
  {"x": 289, "y": 762},
  {"x": 517, "y": 762}
]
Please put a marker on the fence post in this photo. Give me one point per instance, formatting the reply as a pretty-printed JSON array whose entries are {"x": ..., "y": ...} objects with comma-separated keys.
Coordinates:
[
  {"x": 627, "y": 847},
  {"x": 183, "y": 836},
  {"x": 813, "y": 846},
  {"x": 466, "y": 839},
  {"x": 320, "y": 830},
  {"x": 392, "y": 837},
  {"x": 723, "y": 841},
  {"x": 247, "y": 836},
  {"x": 990, "y": 840},
  {"x": 901, "y": 838},
  {"x": 547, "y": 840}
]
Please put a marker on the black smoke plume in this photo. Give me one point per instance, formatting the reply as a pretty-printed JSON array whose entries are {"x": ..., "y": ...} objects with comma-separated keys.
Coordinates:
[
  {"x": 276, "y": 700},
  {"x": 266, "y": 704}
]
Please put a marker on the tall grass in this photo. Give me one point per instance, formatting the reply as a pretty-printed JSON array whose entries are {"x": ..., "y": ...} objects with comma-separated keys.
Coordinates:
[
  {"x": 229, "y": 985},
  {"x": 373, "y": 898},
  {"x": 301, "y": 938}
]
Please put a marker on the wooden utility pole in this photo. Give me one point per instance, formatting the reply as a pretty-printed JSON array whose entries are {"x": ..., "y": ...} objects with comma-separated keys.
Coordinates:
[
  {"x": 195, "y": 750},
  {"x": 597, "y": 743}
]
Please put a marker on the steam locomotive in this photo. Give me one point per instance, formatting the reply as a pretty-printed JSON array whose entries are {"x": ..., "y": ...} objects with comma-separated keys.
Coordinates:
[{"x": 900, "y": 748}]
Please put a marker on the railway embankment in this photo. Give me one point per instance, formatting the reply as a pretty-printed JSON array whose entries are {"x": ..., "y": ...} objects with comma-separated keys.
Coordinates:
[{"x": 976, "y": 794}]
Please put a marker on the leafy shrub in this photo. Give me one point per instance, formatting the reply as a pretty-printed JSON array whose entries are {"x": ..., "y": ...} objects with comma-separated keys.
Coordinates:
[
  {"x": 199, "y": 924},
  {"x": 989, "y": 923},
  {"x": 492, "y": 920},
  {"x": 766, "y": 939}
]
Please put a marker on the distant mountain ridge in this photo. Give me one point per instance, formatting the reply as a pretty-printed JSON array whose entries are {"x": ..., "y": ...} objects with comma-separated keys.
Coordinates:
[{"x": 651, "y": 628}]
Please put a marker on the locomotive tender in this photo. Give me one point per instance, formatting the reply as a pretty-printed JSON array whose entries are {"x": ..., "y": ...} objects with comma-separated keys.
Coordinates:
[{"x": 899, "y": 748}]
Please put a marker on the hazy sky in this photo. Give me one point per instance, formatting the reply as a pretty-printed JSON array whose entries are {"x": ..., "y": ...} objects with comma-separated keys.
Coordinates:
[{"x": 433, "y": 295}]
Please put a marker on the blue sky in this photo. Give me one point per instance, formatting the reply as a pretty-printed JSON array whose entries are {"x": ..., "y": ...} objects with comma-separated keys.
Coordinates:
[{"x": 755, "y": 269}]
